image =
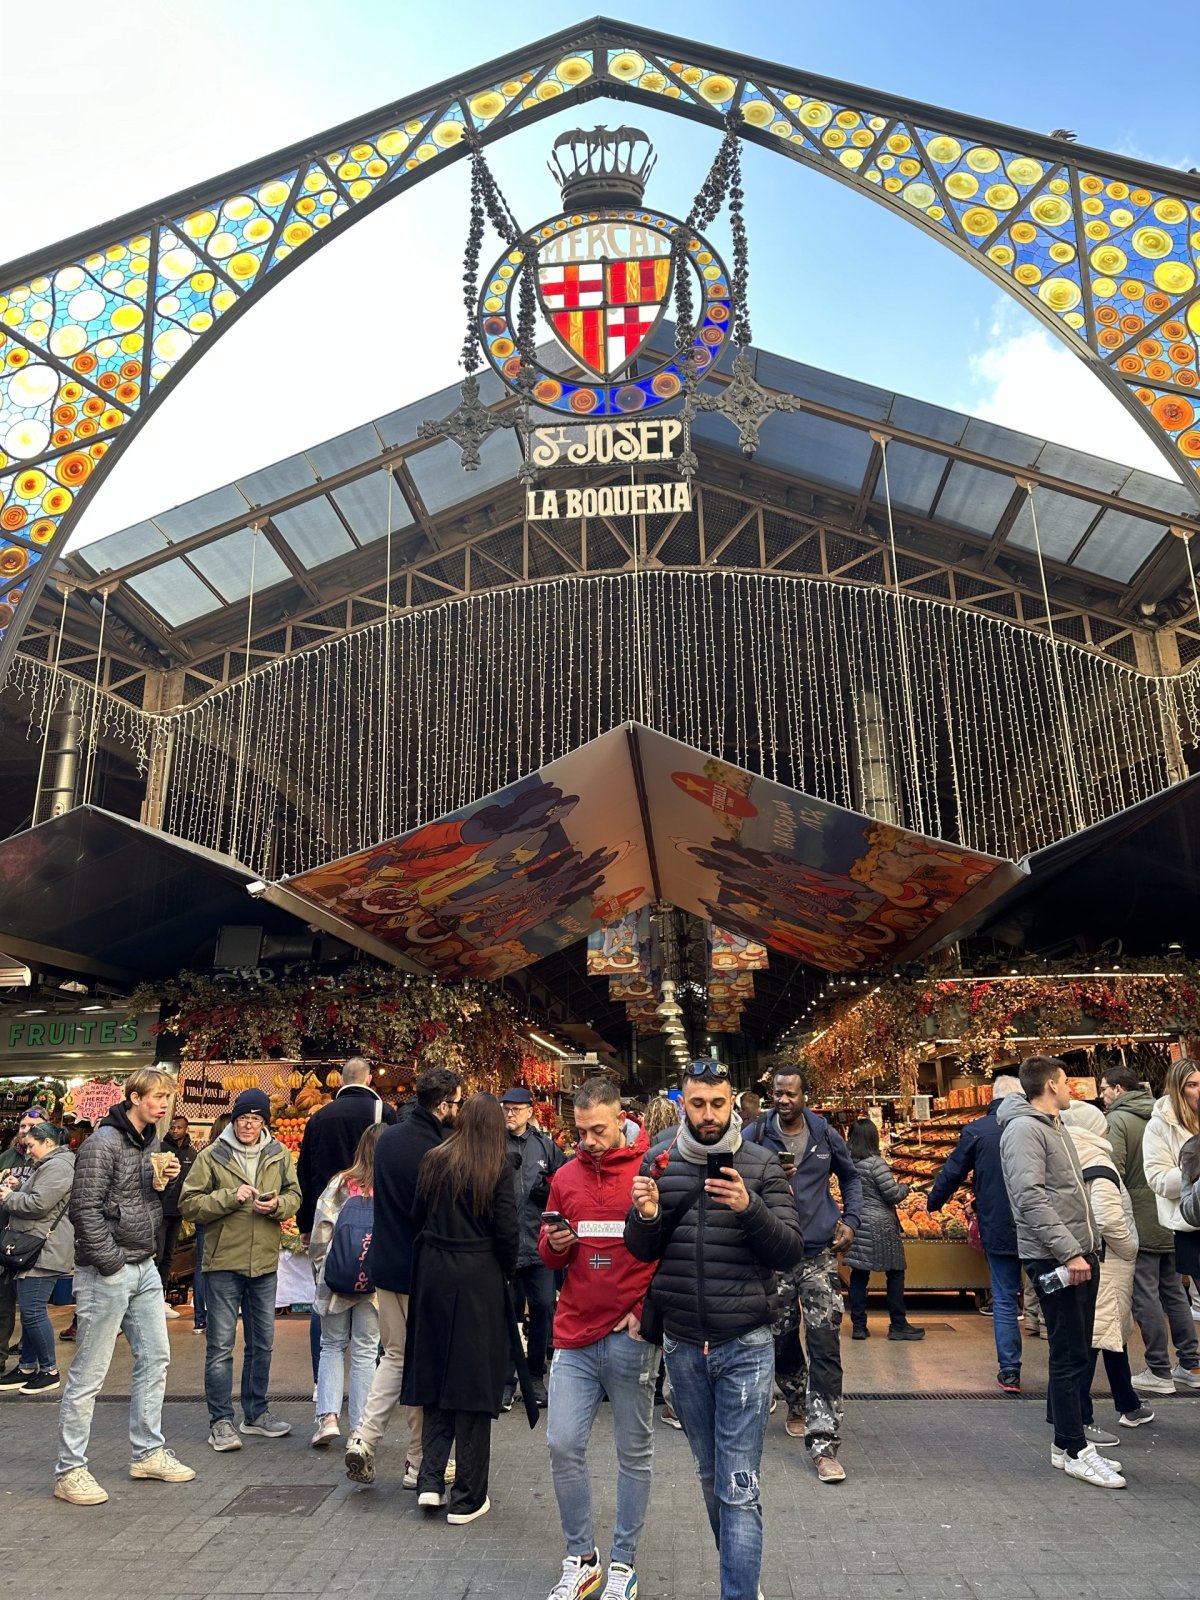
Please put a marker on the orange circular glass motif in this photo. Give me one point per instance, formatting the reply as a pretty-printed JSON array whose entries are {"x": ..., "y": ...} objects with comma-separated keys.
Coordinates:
[
  {"x": 72, "y": 469},
  {"x": 85, "y": 363},
  {"x": 64, "y": 415},
  {"x": 86, "y": 429},
  {"x": 131, "y": 369},
  {"x": 42, "y": 531},
  {"x": 1186, "y": 378},
  {"x": 107, "y": 380},
  {"x": 1107, "y": 315},
  {"x": 1110, "y": 338},
  {"x": 1182, "y": 354},
  {"x": 13, "y": 561},
  {"x": 1158, "y": 372},
  {"x": 1156, "y": 303},
  {"x": 1172, "y": 413},
  {"x": 1132, "y": 324},
  {"x": 1129, "y": 363},
  {"x": 12, "y": 518},
  {"x": 1189, "y": 443}
]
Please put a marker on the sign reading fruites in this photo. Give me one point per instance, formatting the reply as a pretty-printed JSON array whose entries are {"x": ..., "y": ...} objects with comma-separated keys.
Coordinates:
[
  {"x": 77, "y": 1034},
  {"x": 606, "y": 444}
]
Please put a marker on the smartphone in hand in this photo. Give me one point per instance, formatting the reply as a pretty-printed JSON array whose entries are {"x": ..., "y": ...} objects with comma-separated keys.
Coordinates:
[
  {"x": 555, "y": 1219},
  {"x": 715, "y": 1164}
]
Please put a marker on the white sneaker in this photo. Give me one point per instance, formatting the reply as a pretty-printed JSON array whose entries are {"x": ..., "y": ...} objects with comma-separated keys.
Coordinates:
[
  {"x": 579, "y": 1579},
  {"x": 458, "y": 1518},
  {"x": 1188, "y": 1376},
  {"x": 1059, "y": 1458},
  {"x": 169, "y": 1311},
  {"x": 622, "y": 1583},
  {"x": 327, "y": 1431},
  {"x": 1090, "y": 1467},
  {"x": 79, "y": 1488},
  {"x": 410, "y": 1475},
  {"x": 162, "y": 1464},
  {"x": 430, "y": 1500},
  {"x": 1150, "y": 1383}
]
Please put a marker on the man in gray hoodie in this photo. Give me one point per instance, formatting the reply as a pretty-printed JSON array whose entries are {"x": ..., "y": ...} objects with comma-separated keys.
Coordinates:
[
  {"x": 1157, "y": 1291},
  {"x": 1058, "y": 1248}
]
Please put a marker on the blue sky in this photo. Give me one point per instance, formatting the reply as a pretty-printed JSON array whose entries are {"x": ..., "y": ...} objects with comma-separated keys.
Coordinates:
[{"x": 136, "y": 99}]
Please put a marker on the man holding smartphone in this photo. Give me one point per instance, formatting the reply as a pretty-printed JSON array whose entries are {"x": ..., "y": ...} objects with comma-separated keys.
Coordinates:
[
  {"x": 240, "y": 1189},
  {"x": 598, "y": 1353},
  {"x": 720, "y": 1239},
  {"x": 811, "y": 1153}
]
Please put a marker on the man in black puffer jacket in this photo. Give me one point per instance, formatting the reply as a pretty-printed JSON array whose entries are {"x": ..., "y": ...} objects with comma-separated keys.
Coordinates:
[{"x": 719, "y": 1242}]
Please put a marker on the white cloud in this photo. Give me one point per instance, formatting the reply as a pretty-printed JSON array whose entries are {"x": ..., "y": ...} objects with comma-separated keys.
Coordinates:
[{"x": 1024, "y": 378}]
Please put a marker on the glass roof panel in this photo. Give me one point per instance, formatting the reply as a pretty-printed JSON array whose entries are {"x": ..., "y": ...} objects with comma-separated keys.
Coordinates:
[
  {"x": 226, "y": 563},
  {"x": 441, "y": 481},
  {"x": 826, "y": 388},
  {"x": 1161, "y": 493},
  {"x": 400, "y": 427},
  {"x": 175, "y": 592},
  {"x": 351, "y": 449},
  {"x": 313, "y": 532},
  {"x": 272, "y": 483},
  {"x": 812, "y": 447},
  {"x": 973, "y": 498},
  {"x": 913, "y": 477},
  {"x": 1090, "y": 472},
  {"x": 915, "y": 416},
  {"x": 118, "y": 549},
  {"x": 220, "y": 505},
  {"x": 1119, "y": 545},
  {"x": 364, "y": 504},
  {"x": 1062, "y": 523},
  {"x": 1004, "y": 444}
]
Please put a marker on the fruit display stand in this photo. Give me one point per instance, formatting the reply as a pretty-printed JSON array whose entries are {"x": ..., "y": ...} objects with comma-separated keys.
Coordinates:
[{"x": 937, "y": 1257}]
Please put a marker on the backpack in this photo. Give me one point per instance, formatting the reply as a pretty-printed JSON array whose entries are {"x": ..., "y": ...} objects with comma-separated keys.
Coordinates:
[{"x": 346, "y": 1271}]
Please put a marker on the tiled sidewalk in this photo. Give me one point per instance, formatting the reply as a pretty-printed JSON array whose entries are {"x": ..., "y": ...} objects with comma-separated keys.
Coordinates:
[{"x": 944, "y": 1498}]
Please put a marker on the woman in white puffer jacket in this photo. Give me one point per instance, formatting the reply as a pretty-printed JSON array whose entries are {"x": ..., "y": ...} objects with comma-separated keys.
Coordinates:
[
  {"x": 1175, "y": 1120},
  {"x": 1112, "y": 1217}
]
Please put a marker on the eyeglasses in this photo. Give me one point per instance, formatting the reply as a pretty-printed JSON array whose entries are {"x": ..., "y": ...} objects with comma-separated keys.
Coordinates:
[{"x": 707, "y": 1069}]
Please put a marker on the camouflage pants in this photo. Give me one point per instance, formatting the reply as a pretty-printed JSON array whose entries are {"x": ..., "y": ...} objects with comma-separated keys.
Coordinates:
[{"x": 812, "y": 1386}]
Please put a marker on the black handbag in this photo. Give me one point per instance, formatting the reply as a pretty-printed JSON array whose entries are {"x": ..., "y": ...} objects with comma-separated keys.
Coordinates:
[
  {"x": 652, "y": 1324},
  {"x": 19, "y": 1250}
]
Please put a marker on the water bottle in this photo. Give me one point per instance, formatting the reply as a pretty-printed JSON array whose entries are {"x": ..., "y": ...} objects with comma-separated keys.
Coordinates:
[{"x": 1052, "y": 1282}]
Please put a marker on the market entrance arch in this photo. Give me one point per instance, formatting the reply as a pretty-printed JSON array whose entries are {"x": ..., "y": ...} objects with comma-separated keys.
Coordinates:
[{"x": 97, "y": 329}]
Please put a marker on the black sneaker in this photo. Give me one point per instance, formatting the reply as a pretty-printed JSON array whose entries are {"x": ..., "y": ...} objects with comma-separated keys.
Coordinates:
[
  {"x": 1009, "y": 1380},
  {"x": 14, "y": 1379},
  {"x": 538, "y": 1388},
  {"x": 906, "y": 1331},
  {"x": 40, "y": 1383},
  {"x": 509, "y": 1398}
]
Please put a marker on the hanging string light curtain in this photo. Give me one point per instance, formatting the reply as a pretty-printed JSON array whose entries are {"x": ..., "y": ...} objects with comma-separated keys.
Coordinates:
[{"x": 799, "y": 679}]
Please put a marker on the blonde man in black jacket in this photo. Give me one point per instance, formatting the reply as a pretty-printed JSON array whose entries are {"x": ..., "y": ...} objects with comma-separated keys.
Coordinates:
[{"x": 719, "y": 1240}]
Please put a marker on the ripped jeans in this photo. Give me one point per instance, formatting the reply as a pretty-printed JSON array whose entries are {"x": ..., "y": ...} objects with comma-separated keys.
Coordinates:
[{"x": 723, "y": 1399}]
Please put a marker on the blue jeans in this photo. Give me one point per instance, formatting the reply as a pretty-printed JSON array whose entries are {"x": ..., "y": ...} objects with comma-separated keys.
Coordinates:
[
  {"x": 199, "y": 1300},
  {"x": 723, "y": 1399},
  {"x": 228, "y": 1294},
  {"x": 128, "y": 1302},
  {"x": 37, "y": 1336},
  {"x": 1006, "y": 1286},
  {"x": 358, "y": 1327},
  {"x": 623, "y": 1369}
]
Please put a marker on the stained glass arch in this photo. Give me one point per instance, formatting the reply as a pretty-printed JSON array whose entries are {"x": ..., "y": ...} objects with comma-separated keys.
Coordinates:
[{"x": 95, "y": 331}]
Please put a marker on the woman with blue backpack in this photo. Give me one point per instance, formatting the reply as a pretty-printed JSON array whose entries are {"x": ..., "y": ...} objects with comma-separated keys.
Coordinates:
[{"x": 345, "y": 1299}]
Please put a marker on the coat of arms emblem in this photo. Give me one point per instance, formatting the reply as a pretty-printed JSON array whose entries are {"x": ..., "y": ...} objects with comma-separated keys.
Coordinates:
[{"x": 604, "y": 271}]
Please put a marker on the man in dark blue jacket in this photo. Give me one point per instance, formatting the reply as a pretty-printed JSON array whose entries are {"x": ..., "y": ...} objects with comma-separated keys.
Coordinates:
[
  {"x": 811, "y": 1153},
  {"x": 975, "y": 1159},
  {"x": 398, "y": 1155}
]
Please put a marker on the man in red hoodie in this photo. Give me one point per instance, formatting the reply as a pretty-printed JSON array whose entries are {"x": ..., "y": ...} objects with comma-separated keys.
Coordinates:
[{"x": 597, "y": 1348}]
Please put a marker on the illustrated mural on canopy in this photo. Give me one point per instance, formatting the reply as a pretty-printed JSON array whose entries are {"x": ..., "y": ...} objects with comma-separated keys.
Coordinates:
[{"x": 564, "y": 851}]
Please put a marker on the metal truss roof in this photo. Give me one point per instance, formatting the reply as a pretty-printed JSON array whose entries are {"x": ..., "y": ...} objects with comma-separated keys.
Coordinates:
[{"x": 810, "y": 501}]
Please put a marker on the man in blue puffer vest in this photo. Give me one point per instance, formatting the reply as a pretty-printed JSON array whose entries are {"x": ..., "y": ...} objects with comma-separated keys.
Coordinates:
[{"x": 811, "y": 1153}]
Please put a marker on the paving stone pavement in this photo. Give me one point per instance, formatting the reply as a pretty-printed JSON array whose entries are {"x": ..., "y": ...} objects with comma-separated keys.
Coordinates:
[{"x": 943, "y": 1499}]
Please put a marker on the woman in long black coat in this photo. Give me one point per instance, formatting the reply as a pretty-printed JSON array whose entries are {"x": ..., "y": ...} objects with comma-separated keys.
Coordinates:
[
  {"x": 878, "y": 1245},
  {"x": 456, "y": 1354}
]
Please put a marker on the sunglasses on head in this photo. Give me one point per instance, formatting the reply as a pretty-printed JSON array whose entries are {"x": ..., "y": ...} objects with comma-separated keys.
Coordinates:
[{"x": 707, "y": 1069}]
